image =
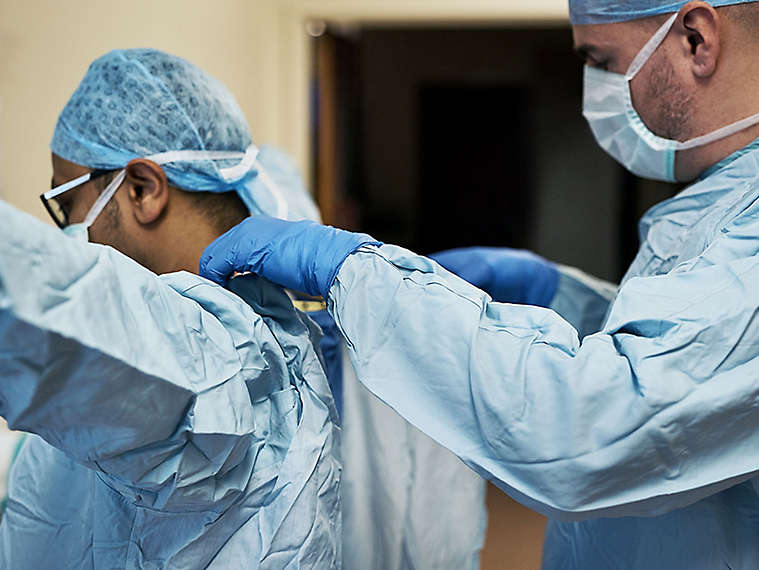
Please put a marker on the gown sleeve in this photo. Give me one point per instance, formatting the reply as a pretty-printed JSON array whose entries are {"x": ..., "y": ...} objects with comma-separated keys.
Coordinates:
[
  {"x": 124, "y": 373},
  {"x": 582, "y": 300},
  {"x": 653, "y": 412}
]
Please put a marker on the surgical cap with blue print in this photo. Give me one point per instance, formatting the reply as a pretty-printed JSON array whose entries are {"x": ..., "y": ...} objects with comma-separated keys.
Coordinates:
[
  {"x": 583, "y": 12},
  {"x": 141, "y": 102}
]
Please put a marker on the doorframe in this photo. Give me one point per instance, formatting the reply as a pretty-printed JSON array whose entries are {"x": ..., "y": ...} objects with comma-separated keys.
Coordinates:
[{"x": 294, "y": 52}]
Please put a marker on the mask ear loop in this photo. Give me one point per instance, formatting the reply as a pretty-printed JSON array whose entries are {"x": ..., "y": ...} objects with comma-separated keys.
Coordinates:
[
  {"x": 645, "y": 53},
  {"x": 720, "y": 133},
  {"x": 103, "y": 199}
]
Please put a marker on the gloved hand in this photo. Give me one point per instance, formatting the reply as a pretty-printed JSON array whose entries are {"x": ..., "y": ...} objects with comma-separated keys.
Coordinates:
[
  {"x": 304, "y": 256},
  {"x": 507, "y": 275}
]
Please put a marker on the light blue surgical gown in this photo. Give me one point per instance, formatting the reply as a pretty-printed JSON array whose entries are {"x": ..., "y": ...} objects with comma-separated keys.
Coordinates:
[
  {"x": 393, "y": 478},
  {"x": 642, "y": 438},
  {"x": 176, "y": 424}
]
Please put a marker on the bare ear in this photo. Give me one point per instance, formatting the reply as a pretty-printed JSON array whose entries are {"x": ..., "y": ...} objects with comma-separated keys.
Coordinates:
[
  {"x": 701, "y": 39},
  {"x": 148, "y": 190}
]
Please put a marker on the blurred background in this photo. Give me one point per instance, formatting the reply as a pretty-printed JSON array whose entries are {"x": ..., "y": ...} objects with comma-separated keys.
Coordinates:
[{"x": 427, "y": 123}]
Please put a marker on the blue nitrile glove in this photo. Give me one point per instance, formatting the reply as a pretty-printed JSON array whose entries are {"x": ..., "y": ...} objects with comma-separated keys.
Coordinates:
[
  {"x": 303, "y": 256},
  {"x": 507, "y": 275}
]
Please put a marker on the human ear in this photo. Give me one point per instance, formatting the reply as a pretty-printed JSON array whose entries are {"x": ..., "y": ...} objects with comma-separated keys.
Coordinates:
[
  {"x": 148, "y": 190},
  {"x": 700, "y": 37}
]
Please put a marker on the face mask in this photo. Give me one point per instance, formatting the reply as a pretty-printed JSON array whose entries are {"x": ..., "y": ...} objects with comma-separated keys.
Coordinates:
[
  {"x": 77, "y": 231},
  {"x": 248, "y": 159},
  {"x": 619, "y": 130}
]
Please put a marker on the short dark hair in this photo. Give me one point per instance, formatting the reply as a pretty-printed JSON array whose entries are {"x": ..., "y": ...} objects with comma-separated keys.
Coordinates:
[{"x": 223, "y": 209}]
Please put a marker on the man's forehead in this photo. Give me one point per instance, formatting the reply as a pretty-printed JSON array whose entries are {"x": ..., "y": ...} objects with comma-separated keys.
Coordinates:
[
  {"x": 589, "y": 40},
  {"x": 65, "y": 170}
]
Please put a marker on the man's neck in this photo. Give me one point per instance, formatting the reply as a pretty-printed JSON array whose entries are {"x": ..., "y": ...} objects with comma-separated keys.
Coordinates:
[{"x": 182, "y": 244}]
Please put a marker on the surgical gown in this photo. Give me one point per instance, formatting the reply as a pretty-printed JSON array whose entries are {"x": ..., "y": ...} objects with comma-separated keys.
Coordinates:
[
  {"x": 393, "y": 478},
  {"x": 408, "y": 503},
  {"x": 641, "y": 440},
  {"x": 175, "y": 424}
]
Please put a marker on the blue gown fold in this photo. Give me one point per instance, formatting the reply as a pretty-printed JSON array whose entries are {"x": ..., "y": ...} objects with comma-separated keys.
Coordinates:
[{"x": 176, "y": 424}]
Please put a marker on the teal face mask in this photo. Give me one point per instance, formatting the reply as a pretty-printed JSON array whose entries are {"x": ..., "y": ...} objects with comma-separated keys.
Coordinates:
[
  {"x": 77, "y": 231},
  {"x": 619, "y": 130}
]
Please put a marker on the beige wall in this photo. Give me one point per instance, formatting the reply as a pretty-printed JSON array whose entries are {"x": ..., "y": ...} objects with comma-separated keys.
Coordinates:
[
  {"x": 45, "y": 48},
  {"x": 256, "y": 47}
]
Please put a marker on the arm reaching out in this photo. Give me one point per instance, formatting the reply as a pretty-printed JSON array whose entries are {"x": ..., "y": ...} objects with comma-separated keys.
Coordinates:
[
  {"x": 121, "y": 370},
  {"x": 652, "y": 413}
]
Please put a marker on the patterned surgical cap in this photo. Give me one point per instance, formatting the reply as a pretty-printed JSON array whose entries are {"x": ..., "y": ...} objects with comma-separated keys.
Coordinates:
[
  {"x": 583, "y": 12},
  {"x": 139, "y": 102}
]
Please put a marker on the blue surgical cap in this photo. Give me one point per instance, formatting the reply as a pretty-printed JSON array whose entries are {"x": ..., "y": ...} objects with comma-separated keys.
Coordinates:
[
  {"x": 583, "y": 12},
  {"x": 139, "y": 102}
]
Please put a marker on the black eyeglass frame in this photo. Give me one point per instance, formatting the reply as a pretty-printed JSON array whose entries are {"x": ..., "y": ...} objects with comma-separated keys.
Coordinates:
[{"x": 61, "y": 189}]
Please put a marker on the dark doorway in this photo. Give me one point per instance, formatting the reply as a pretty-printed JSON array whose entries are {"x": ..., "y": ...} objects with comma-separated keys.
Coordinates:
[
  {"x": 475, "y": 178},
  {"x": 432, "y": 138}
]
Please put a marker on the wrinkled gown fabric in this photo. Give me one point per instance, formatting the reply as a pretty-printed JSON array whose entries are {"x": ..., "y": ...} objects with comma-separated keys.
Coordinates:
[
  {"x": 393, "y": 478},
  {"x": 177, "y": 425},
  {"x": 651, "y": 419},
  {"x": 408, "y": 503}
]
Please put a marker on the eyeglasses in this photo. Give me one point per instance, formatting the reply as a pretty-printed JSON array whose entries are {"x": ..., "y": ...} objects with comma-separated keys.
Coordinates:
[{"x": 50, "y": 199}]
